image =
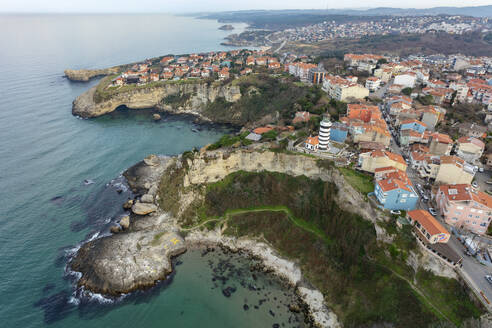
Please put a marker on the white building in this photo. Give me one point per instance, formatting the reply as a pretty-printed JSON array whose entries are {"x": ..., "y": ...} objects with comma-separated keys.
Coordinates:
[
  {"x": 406, "y": 79},
  {"x": 373, "y": 83}
]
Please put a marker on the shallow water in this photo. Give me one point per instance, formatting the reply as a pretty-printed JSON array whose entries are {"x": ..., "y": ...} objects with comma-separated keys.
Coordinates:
[{"x": 46, "y": 209}]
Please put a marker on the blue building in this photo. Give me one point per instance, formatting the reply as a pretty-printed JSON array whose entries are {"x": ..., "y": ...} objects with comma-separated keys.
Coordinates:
[
  {"x": 413, "y": 125},
  {"x": 395, "y": 191},
  {"x": 338, "y": 132}
]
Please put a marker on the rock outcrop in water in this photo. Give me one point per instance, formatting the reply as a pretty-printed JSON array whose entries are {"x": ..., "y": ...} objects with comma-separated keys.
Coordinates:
[
  {"x": 140, "y": 253},
  {"x": 196, "y": 97},
  {"x": 84, "y": 75}
]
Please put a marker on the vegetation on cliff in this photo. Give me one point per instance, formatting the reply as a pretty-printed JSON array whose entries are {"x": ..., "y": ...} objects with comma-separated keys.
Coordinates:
[
  {"x": 364, "y": 281},
  {"x": 264, "y": 95}
]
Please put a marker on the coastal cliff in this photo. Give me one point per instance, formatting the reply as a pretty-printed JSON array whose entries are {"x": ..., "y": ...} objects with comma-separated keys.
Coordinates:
[
  {"x": 176, "y": 98},
  {"x": 295, "y": 213},
  {"x": 84, "y": 75}
]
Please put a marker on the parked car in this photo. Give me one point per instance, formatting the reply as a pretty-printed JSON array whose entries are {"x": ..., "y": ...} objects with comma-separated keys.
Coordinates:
[
  {"x": 395, "y": 212},
  {"x": 480, "y": 169},
  {"x": 425, "y": 198},
  {"x": 474, "y": 184},
  {"x": 488, "y": 278},
  {"x": 432, "y": 211}
]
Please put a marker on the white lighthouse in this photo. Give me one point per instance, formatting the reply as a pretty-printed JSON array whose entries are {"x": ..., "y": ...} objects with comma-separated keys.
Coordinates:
[{"x": 324, "y": 133}]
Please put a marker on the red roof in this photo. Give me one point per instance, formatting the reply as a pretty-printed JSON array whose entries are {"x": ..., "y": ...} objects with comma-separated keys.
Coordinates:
[
  {"x": 430, "y": 224},
  {"x": 262, "y": 130}
]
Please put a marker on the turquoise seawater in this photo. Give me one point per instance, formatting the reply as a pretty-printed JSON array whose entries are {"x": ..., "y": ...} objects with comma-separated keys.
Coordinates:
[{"x": 46, "y": 154}]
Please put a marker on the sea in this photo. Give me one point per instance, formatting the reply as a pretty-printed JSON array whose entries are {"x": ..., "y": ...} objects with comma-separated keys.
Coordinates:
[{"x": 61, "y": 184}]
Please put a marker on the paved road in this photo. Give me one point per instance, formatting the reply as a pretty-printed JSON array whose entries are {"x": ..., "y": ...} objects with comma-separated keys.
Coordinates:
[{"x": 472, "y": 269}]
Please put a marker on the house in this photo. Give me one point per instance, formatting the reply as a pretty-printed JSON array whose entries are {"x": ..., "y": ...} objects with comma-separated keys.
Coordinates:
[
  {"x": 431, "y": 115},
  {"x": 427, "y": 228},
  {"x": 454, "y": 170},
  {"x": 301, "y": 117},
  {"x": 394, "y": 190},
  {"x": 274, "y": 65},
  {"x": 410, "y": 136},
  {"x": 246, "y": 71},
  {"x": 440, "y": 144},
  {"x": 341, "y": 89},
  {"x": 317, "y": 75},
  {"x": 406, "y": 80},
  {"x": 312, "y": 143},
  {"x": 470, "y": 149},
  {"x": 464, "y": 207},
  {"x": 414, "y": 125},
  {"x": 373, "y": 83},
  {"x": 301, "y": 70},
  {"x": 365, "y": 113},
  {"x": 371, "y": 161},
  {"x": 338, "y": 132},
  {"x": 472, "y": 130},
  {"x": 224, "y": 73},
  {"x": 369, "y": 132},
  {"x": 262, "y": 130}
]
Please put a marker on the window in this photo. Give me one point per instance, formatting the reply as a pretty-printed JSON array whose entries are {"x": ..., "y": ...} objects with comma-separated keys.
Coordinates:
[
  {"x": 460, "y": 207},
  {"x": 470, "y": 215},
  {"x": 456, "y": 219},
  {"x": 473, "y": 210},
  {"x": 404, "y": 195},
  {"x": 403, "y": 201}
]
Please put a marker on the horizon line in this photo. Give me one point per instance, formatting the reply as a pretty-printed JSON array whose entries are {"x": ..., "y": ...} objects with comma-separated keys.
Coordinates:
[{"x": 224, "y": 11}]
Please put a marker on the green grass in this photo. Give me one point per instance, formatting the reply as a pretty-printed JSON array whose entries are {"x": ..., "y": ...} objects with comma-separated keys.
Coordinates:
[{"x": 360, "y": 181}]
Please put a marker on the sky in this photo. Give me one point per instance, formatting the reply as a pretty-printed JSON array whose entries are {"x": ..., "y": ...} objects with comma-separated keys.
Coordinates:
[{"x": 88, "y": 6}]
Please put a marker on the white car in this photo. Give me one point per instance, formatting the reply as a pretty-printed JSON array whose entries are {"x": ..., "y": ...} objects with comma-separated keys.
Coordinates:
[
  {"x": 474, "y": 184},
  {"x": 432, "y": 211},
  {"x": 395, "y": 212},
  {"x": 488, "y": 278}
]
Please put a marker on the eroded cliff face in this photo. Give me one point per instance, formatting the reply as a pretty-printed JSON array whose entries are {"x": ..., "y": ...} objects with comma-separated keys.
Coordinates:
[
  {"x": 211, "y": 167},
  {"x": 198, "y": 96}
]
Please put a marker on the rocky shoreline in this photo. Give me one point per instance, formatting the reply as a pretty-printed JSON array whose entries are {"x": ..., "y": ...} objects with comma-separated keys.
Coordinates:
[
  {"x": 312, "y": 300},
  {"x": 139, "y": 253}
]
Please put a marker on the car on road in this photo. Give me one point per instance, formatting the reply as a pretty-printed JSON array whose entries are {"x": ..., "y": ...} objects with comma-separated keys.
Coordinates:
[
  {"x": 474, "y": 184},
  {"x": 480, "y": 169},
  {"x": 425, "y": 198},
  {"x": 395, "y": 212},
  {"x": 432, "y": 211},
  {"x": 488, "y": 277}
]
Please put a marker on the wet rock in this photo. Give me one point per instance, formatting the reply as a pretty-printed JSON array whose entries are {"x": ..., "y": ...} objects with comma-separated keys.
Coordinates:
[
  {"x": 128, "y": 204},
  {"x": 275, "y": 325},
  {"x": 228, "y": 291},
  {"x": 271, "y": 313},
  {"x": 151, "y": 160},
  {"x": 156, "y": 117},
  {"x": 125, "y": 222},
  {"x": 294, "y": 308},
  {"x": 115, "y": 229},
  {"x": 143, "y": 208},
  {"x": 245, "y": 307},
  {"x": 125, "y": 262},
  {"x": 147, "y": 198}
]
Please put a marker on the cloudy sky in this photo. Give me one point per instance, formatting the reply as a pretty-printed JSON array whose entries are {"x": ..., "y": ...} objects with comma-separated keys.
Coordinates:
[{"x": 212, "y": 5}]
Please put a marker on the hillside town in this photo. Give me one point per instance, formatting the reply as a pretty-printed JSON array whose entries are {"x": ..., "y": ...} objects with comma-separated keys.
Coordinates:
[
  {"x": 359, "y": 27},
  {"x": 401, "y": 127},
  {"x": 329, "y": 30},
  {"x": 418, "y": 126}
]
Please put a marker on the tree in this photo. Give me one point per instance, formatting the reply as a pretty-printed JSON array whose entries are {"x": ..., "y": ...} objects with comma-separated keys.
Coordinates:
[
  {"x": 407, "y": 91},
  {"x": 382, "y": 61}
]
